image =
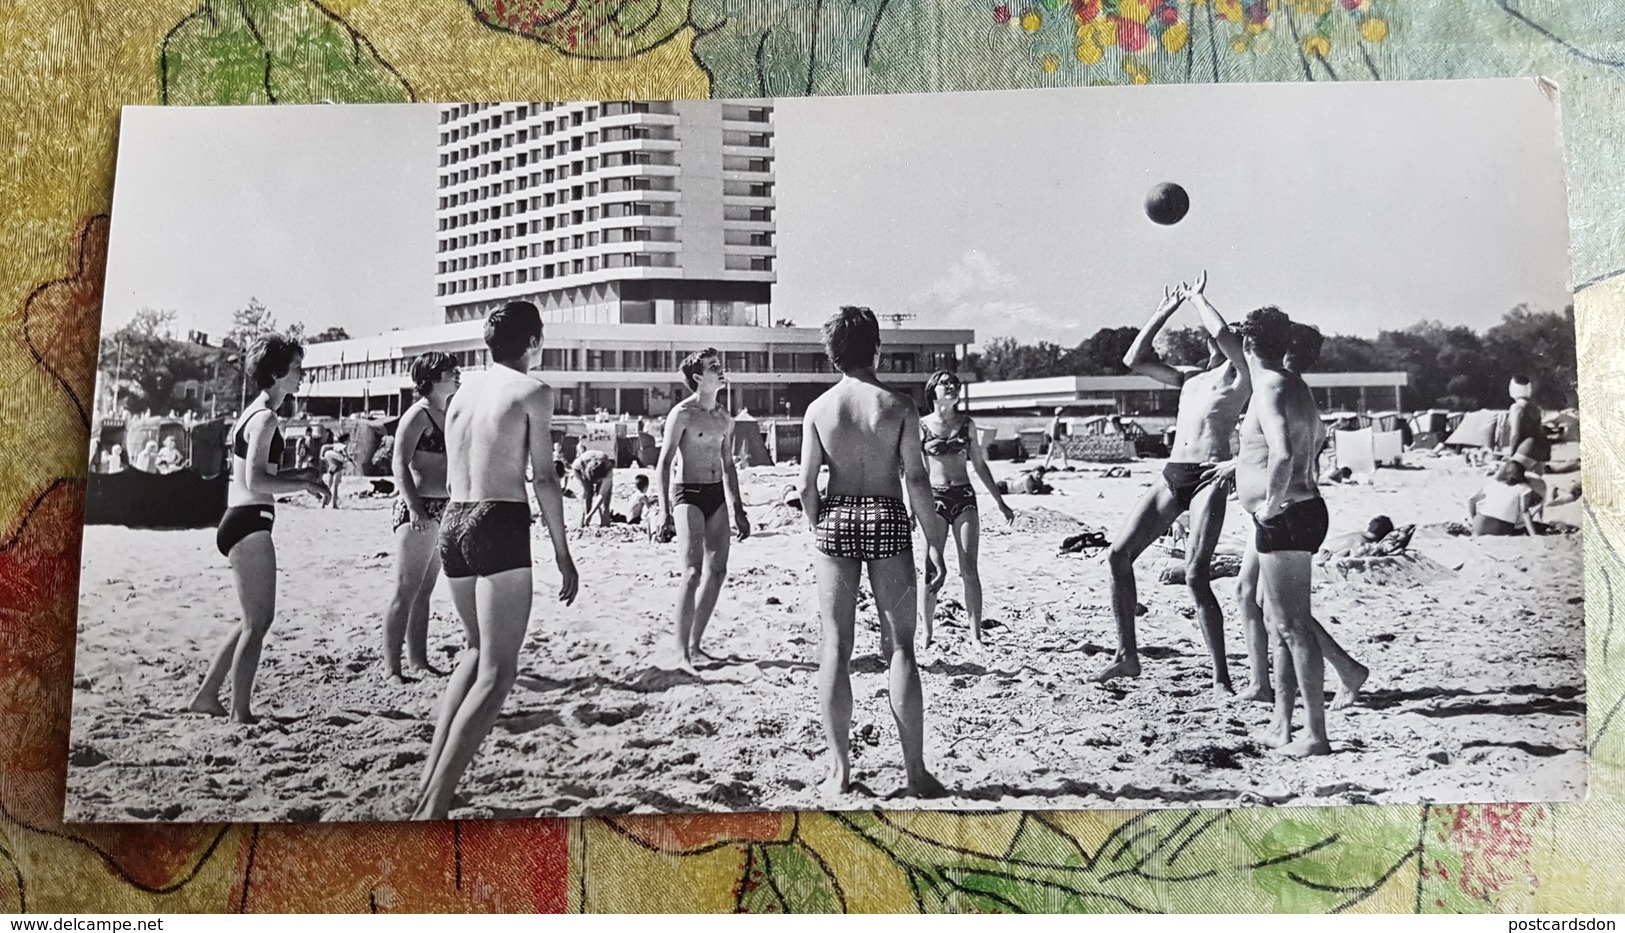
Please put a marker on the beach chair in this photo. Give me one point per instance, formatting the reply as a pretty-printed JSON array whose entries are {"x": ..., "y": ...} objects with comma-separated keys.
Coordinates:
[{"x": 1357, "y": 451}]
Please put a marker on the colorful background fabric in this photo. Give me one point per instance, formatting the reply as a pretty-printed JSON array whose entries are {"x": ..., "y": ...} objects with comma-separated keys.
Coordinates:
[{"x": 65, "y": 69}]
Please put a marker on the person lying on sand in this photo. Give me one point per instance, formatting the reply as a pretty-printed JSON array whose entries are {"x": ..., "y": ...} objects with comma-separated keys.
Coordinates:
[
  {"x": 1210, "y": 400},
  {"x": 1505, "y": 505},
  {"x": 493, "y": 432},
  {"x": 1026, "y": 483},
  {"x": 869, "y": 435},
  {"x": 696, "y": 506}
]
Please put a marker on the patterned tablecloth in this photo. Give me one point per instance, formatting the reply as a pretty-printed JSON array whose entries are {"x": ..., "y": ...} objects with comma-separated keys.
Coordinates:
[{"x": 65, "y": 68}]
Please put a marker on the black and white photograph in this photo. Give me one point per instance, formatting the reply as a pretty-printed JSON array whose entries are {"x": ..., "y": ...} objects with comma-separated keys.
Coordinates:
[{"x": 1108, "y": 448}]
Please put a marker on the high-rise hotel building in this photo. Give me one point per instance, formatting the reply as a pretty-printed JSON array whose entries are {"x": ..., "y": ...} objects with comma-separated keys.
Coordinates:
[{"x": 643, "y": 231}]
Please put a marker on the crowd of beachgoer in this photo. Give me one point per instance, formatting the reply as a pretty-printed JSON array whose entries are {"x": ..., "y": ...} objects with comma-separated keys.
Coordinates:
[{"x": 873, "y": 469}]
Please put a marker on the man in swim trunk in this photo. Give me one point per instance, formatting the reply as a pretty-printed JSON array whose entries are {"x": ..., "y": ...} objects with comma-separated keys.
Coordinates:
[
  {"x": 1275, "y": 481},
  {"x": 1210, "y": 401},
  {"x": 869, "y": 435},
  {"x": 1054, "y": 433},
  {"x": 493, "y": 431},
  {"x": 595, "y": 470},
  {"x": 699, "y": 435}
]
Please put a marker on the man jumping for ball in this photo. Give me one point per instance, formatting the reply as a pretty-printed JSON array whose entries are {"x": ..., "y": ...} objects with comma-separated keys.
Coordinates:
[{"x": 1210, "y": 402}]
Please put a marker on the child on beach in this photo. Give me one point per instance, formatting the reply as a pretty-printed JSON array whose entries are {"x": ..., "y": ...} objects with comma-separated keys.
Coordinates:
[{"x": 1505, "y": 504}]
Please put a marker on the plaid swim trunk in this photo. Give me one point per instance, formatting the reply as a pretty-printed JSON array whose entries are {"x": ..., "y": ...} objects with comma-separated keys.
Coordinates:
[
  {"x": 863, "y": 527},
  {"x": 434, "y": 506}
]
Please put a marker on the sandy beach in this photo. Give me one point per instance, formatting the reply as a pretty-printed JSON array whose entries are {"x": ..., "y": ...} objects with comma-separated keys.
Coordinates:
[{"x": 1475, "y": 647}]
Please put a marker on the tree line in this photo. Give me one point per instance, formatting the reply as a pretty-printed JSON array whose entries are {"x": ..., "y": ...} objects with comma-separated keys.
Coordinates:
[
  {"x": 1449, "y": 367},
  {"x": 147, "y": 364}
]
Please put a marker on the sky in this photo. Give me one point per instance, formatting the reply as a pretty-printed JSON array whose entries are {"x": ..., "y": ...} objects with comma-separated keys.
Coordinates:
[
  {"x": 1356, "y": 207},
  {"x": 324, "y": 213}
]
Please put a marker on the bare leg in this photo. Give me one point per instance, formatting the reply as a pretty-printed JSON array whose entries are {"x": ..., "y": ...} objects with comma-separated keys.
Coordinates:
[
  {"x": 892, "y": 580},
  {"x": 462, "y": 677},
  {"x": 936, "y": 532},
  {"x": 253, "y": 567},
  {"x": 967, "y": 538},
  {"x": 1279, "y": 732},
  {"x": 690, "y": 522},
  {"x": 1351, "y": 674},
  {"x": 1285, "y": 579},
  {"x": 718, "y": 540},
  {"x": 503, "y": 607},
  {"x": 1252, "y": 624},
  {"x": 417, "y": 623},
  {"x": 1207, "y": 520},
  {"x": 838, "y": 598},
  {"x": 413, "y": 550},
  {"x": 1152, "y": 515}
]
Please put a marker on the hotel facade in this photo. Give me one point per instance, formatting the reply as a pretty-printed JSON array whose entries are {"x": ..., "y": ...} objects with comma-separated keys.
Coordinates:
[{"x": 643, "y": 231}]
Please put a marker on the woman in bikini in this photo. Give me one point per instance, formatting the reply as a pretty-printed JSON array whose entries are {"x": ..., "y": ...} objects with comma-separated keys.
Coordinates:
[
  {"x": 948, "y": 438},
  {"x": 244, "y": 536},
  {"x": 420, "y": 475}
]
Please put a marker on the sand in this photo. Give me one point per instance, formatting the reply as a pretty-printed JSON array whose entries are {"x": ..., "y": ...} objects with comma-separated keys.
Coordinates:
[{"x": 1475, "y": 647}]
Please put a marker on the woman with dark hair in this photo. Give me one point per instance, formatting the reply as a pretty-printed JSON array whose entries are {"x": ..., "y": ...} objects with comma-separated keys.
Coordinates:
[
  {"x": 419, "y": 463},
  {"x": 244, "y": 536},
  {"x": 951, "y": 447}
]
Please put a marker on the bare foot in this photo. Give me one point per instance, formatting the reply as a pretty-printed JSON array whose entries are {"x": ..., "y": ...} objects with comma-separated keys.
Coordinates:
[
  {"x": 1223, "y": 688},
  {"x": 925, "y": 787},
  {"x": 1126, "y": 667},
  {"x": 245, "y": 719},
  {"x": 1306, "y": 745},
  {"x": 208, "y": 705},
  {"x": 424, "y": 667},
  {"x": 1277, "y": 735},
  {"x": 1261, "y": 693},
  {"x": 686, "y": 665},
  {"x": 397, "y": 679},
  {"x": 837, "y": 783},
  {"x": 1349, "y": 693}
]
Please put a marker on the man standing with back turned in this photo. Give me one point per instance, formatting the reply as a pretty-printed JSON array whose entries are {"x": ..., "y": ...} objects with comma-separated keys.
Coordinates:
[{"x": 493, "y": 430}]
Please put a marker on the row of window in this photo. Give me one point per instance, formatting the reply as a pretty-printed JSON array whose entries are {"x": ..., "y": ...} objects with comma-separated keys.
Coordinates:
[
  {"x": 587, "y": 142},
  {"x": 641, "y": 361}
]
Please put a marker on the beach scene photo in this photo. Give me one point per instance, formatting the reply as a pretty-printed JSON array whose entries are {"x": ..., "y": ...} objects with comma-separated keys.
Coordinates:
[{"x": 976, "y": 451}]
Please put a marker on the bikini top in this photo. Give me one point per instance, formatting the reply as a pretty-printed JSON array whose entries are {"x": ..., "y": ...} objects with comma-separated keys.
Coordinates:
[
  {"x": 239, "y": 442},
  {"x": 955, "y": 443},
  {"x": 433, "y": 438}
]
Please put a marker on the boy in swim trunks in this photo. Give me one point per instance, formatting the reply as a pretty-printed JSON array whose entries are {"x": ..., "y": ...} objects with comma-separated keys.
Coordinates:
[
  {"x": 1275, "y": 481},
  {"x": 699, "y": 436},
  {"x": 493, "y": 431},
  {"x": 1210, "y": 401},
  {"x": 869, "y": 435}
]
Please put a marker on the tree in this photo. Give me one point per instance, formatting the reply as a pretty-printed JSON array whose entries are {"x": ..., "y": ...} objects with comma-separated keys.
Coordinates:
[
  {"x": 253, "y": 321},
  {"x": 144, "y": 364},
  {"x": 329, "y": 335},
  {"x": 1540, "y": 346},
  {"x": 1005, "y": 358},
  {"x": 1183, "y": 346},
  {"x": 1102, "y": 354}
]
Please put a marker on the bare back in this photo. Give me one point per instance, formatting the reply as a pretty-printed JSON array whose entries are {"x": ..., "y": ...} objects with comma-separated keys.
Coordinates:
[
  {"x": 1210, "y": 401},
  {"x": 1283, "y": 411},
  {"x": 701, "y": 442},
  {"x": 860, "y": 428},
  {"x": 488, "y": 436}
]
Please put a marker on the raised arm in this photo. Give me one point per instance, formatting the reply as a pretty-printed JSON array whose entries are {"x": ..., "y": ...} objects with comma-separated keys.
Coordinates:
[
  {"x": 978, "y": 462},
  {"x": 730, "y": 482},
  {"x": 258, "y": 478},
  {"x": 676, "y": 421},
  {"x": 1142, "y": 355},
  {"x": 545, "y": 484},
  {"x": 406, "y": 441},
  {"x": 1229, "y": 344},
  {"x": 1272, "y": 420},
  {"x": 812, "y": 460}
]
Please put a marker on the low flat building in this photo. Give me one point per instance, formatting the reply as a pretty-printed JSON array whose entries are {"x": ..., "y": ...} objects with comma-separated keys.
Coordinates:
[{"x": 1143, "y": 396}]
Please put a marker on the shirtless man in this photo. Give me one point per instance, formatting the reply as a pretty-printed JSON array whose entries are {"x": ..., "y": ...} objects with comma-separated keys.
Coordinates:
[
  {"x": 1210, "y": 401},
  {"x": 1275, "y": 481},
  {"x": 1300, "y": 358},
  {"x": 699, "y": 434},
  {"x": 493, "y": 430},
  {"x": 869, "y": 435},
  {"x": 1054, "y": 432}
]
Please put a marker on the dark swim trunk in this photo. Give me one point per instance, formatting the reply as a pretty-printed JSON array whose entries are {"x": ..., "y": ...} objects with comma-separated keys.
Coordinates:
[
  {"x": 953, "y": 501},
  {"x": 1184, "y": 480},
  {"x": 239, "y": 522},
  {"x": 1300, "y": 527},
  {"x": 434, "y": 505},
  {"x": 478, "y": 539},
  {"x": 863, "y": 527},
  {"x": 707, "y": 496}
]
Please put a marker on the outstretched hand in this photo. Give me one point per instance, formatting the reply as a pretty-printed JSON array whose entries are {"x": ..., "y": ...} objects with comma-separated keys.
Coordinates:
[
  {"x": 1171, "y": 299},
  {"x": 1196, "y": 287}
]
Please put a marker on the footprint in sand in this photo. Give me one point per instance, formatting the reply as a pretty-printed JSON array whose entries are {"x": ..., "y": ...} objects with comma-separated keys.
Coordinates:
[{"x": 590, "y": 714}]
